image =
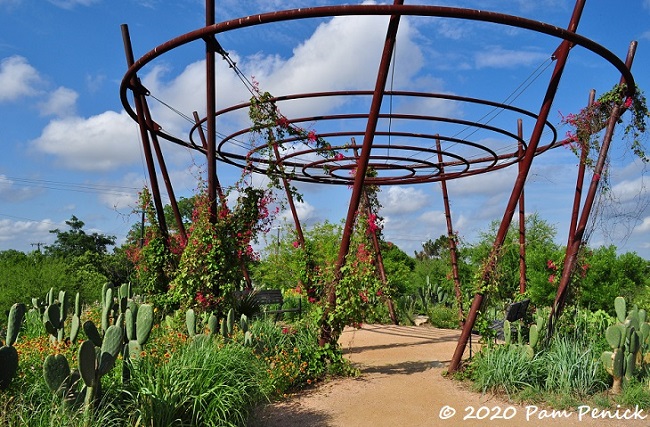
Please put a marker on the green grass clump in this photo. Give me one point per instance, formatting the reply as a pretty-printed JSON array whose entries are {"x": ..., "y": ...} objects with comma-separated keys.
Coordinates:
[
  {"x": 505, "y": 368},
  {"x": 203, "y": 384}
]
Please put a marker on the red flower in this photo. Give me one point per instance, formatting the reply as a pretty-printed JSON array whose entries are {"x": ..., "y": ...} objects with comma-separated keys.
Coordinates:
[
  {"x": 283, "y": 122},
  {"x": 339, "y": 157},
  {"x": 628, "y": 102},
  {"x": 311, "y": 136},
  {"x": 296, "y": 244},
  {"x": 551, "y": 278}
]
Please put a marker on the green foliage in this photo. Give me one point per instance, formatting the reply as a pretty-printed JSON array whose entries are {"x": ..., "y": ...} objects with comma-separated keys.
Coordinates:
[
  {"x": 629, "y": 340},
  {"x": 568, "y": 366},
  {"x": 75, "y": 242},
  {"x": 201, "y": 384},
  {"x": 8, "y": 354},
  {"x": 211, "y": 264},
  {"x": 505, "y": 368}
]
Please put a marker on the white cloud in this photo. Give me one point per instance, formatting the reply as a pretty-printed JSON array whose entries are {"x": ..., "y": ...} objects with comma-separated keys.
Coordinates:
[
  {"x": 26, "y": 232},
  {"x": 17, "y": 78},
  {"x": 629, "y": 190},
  {"x": 396, "y": 200},
  {"x": 61, "y": 103},
  {"x": 304, "y": 210},
  {"x": 497, "y": 57},
  {"x": 644, "y": 227},
  {"x": 98, "y": 143}
]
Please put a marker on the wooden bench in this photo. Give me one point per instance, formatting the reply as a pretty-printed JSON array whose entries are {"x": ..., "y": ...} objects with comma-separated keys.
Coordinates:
[{"x": 267, "y": 297}]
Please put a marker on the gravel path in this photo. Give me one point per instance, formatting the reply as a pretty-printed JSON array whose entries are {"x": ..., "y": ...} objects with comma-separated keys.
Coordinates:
[{"x": 402, "y": 384}]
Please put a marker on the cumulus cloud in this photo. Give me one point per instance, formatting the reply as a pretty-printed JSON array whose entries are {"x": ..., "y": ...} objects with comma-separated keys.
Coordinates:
[
  {"x": 17, "y": 78},
  {"x": 644, "y": 227},
  {"x": 61, "y": 103},
  {"x": 397, "y": 200},
  {"x": 98, "y": 143},
  {"x": 36, "y": 231},
  {"x": 304, "y": 210}
]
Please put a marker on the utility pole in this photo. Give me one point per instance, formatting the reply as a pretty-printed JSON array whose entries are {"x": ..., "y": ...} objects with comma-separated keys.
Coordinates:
[{"x": 38, "y": 246}]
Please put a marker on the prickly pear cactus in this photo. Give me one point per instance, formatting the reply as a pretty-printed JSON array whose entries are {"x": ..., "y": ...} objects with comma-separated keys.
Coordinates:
[
  {"x": 8, "y": 353},
  {"x": 628, "y": 339}
]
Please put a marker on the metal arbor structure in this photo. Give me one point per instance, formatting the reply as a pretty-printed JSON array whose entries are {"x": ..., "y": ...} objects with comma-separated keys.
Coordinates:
[{"x": 419, "y": 157}]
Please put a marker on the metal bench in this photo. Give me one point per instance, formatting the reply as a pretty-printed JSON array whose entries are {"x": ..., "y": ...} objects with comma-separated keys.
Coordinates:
[
  {"x": 267, "y": 297},
  {"x": 514, "y": 311}
]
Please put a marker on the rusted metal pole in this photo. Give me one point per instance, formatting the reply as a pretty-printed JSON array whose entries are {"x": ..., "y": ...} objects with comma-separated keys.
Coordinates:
[
  {"x": 222, "y": 197},
  {"x": 522, "y": 220},
  {"x": 571, "y": 256},
  {"x": 139, "y": 101},
  {"x": 580, "y": 181},
  {"x": 163, "y": 170},
  {"x": 287, "y": 189},
  {"x": 561, "y": 55},
  {"x": 452, "y": 237},
  {"x": 327, "y": 334},
  {"x": 378, "y": 255},
  {"x": 211, "y": 108},
  {"x": 204, "y": 142}
]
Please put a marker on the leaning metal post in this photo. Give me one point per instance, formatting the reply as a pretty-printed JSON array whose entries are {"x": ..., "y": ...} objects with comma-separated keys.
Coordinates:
[
  {"x": 139, "y": 101},
  {"x": 522, "y": 219},
  {"x": 452, "y": 237},
  {"x": 580, "y": 181},
  {"x": 571, "y": 256},
  {"x": 561, "y": 55},
  {"x": 165, "y": 174},
  {"x": 377, "y": 248},
  {"x": 362, "y": 168}
]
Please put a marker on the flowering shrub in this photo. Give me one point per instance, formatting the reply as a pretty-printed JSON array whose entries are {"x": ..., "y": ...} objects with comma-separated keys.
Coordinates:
[
  {"x": 217, "y": 251},
  {"x": 155, "y": 257},
  {"x": 592, "y": 119}
]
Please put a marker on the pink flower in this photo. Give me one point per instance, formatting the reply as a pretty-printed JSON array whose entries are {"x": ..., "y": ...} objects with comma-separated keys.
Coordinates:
[
  {"x": 296, "y": 243},
  {"x": 551, "y": 278},
  {"x": 628, "y": 102},
  {"x": 339, "y": 157},
  {"x": 311, "y": 136}
]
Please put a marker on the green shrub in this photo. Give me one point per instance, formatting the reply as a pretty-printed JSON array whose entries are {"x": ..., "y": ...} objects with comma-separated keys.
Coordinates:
[{"x": 442, "y": 316}]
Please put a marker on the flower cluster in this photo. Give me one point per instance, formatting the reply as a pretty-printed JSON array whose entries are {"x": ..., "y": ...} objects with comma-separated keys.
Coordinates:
[{"x": 592, "y": 119}]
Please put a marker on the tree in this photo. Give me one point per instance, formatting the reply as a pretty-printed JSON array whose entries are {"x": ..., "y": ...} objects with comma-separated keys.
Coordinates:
[{"x": 75, "y": 242}]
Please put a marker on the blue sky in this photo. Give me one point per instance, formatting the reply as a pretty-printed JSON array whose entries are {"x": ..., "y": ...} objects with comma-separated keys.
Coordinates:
[{"x": 68, "y": 148}]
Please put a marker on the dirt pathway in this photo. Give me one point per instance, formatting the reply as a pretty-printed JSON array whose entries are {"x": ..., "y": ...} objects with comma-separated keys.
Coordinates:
[{"x": 402, "y": 385}]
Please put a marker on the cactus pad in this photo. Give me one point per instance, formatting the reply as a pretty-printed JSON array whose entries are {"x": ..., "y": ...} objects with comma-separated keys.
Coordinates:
[
  {"x": 8, "y": 365},
  {"x": 56, "y": 372}
]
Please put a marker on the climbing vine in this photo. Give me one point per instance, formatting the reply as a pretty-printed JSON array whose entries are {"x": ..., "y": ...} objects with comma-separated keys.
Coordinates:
[{"x": 587, "y": 123}]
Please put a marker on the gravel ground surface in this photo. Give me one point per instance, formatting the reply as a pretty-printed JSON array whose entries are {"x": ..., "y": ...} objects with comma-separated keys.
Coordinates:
[{"x": 402, "y": 384}]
